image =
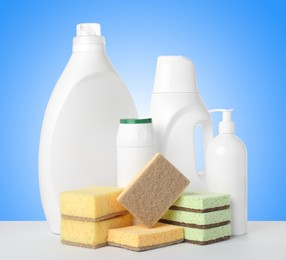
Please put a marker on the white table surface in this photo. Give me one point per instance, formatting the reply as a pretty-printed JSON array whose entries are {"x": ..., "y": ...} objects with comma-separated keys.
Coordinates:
[{"x": 34, "y": 240}]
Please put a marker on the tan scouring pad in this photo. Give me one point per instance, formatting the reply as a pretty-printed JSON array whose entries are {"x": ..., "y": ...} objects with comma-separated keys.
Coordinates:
[
  {"x": 89, "y": 213},
  {"x": 140, "y": 238},
  {"x": 153, "y": 190}
]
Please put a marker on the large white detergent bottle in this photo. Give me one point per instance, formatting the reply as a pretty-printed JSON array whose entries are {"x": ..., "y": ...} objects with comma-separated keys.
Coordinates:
[
  {"x": 226, "y": 170},
  {"x": 78, "y": 138},
  {"x": 176, "y": 110}
]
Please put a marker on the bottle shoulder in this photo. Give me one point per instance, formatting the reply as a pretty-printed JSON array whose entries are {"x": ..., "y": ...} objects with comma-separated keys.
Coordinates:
[
  {"x": 82, "y": 64},
  {"x": 175, "y": 106},
  {"x": 83, "y": 67},
  {"x": 81, "y": 85},
  {"x": 227, "y": 141}
]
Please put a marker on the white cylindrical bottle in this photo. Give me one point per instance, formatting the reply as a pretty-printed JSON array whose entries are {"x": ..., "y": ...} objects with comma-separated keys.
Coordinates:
[
  {"x": 226, "y": 170},
  {"x": 135, "y": 147},
  {"x": 77, "y": 146}
]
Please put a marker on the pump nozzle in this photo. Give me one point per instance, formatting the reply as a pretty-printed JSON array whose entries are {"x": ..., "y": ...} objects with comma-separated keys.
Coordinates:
[{"x": 226, "y": 126}]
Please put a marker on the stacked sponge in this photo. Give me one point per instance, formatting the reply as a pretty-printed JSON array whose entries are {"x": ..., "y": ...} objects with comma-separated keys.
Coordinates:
[
  {"x": 204, "y": 216},
  {"x": 88, "y": 214}
]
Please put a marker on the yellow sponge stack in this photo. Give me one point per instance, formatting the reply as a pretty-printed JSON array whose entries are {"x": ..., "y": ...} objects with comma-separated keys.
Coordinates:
[{"x": 89, "y": 213}]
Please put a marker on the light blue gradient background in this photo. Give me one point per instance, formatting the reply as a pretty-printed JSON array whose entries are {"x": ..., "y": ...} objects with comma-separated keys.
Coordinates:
[{"x": 239, "y": 48}]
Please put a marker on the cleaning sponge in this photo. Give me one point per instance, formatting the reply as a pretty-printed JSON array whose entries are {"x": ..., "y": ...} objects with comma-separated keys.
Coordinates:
[
  {"x": 153, "y": 190},
  {"x": 140, "y": 238},
  {"x": 87, "y": 215},
  {"x": 90, "y": 234},
  {"x": 204, "y": 216},
  {"x": 91, "y": 204}
]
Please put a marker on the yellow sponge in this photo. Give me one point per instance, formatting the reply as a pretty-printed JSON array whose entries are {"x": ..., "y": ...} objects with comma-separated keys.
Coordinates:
[
  {"x": 153, "y": 190},
  {"x": 91, "y": 204},
  {"x": 140, "y": 238},
  {"x": 90, "y": 234}
]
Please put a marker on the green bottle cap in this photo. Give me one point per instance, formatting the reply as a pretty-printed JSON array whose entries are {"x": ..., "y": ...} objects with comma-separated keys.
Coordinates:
[{"x": 136, "y": 121}]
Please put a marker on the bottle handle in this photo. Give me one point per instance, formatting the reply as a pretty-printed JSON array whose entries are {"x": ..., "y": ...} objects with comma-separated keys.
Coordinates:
[{"x": 207, "y": 135}]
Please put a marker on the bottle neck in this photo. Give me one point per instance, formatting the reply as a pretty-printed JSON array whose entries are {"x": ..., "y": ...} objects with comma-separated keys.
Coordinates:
[
  {"x": 88, "y": 44},
  {"x": 226, "y": 127}
]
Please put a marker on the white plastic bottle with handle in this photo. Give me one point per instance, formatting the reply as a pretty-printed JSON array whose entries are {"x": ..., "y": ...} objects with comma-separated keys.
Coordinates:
[
  {"x": 176, "y": 110},
  {"x": 226, "y": 170},
  {"x": 78, "y": 138}
]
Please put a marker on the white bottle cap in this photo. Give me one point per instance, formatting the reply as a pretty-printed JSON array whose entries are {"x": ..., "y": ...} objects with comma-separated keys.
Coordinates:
[
  {"x": 226, "y": 126},
  {"x": 135, "y": 132},
  {"x": 175, "y": 74},
  {"x": 87, "y": 36},
  {"x": 88, "y": 29}
]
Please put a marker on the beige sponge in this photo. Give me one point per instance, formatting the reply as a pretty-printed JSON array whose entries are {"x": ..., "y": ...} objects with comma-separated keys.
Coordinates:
[
  {"x": 140, "y": 238},
  {"x": 153, "y": 190}
]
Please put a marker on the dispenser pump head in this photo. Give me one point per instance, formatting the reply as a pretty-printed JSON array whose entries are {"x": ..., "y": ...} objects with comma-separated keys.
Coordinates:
[{"x": 226, "y": 126}]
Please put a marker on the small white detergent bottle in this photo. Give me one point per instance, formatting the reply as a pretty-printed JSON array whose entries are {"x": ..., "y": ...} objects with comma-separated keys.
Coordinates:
[
  {"x": 176, "y": 111},
  {"x": 78, "y": 138},
  {"x": 226, "y": 170},
  {"x": 135, "y": 147}
]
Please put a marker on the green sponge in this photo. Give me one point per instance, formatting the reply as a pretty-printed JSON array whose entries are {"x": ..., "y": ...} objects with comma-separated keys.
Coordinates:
[
  {"x": 193, "y": 219},
  {"x": 207, "y": 236},
  {"x": 204, "y": 216},
  {"x": 201, "y": 201}
]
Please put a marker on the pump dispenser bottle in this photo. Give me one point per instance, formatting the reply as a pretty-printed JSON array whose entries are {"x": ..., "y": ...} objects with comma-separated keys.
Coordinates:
[
  {"x": 226, "y": 170},
  {"x": 78, "y": 138}
]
